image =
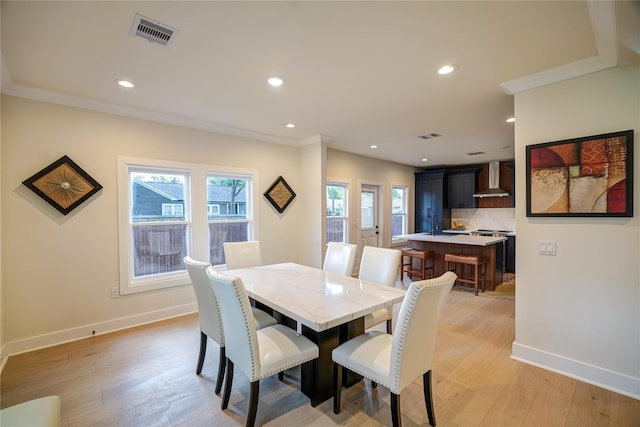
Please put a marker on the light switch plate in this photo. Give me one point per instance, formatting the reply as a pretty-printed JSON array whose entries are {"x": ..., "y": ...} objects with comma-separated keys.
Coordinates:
[{"x": 547, "y": 247}]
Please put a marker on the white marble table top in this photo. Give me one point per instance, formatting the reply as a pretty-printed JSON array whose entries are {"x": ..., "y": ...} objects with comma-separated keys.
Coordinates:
[{"x": 313, "y": 297}]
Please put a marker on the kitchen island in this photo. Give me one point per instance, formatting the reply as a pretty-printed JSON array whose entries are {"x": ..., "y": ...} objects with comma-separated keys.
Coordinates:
[{"x": 489, "y": 246}]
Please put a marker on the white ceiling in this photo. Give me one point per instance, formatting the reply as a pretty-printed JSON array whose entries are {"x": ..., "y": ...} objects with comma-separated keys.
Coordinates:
[{"x": 357, "y": 73}]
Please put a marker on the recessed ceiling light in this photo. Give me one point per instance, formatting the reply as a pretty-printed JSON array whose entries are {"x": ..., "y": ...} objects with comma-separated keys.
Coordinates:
[
  {"x": 290, "y": 125},
  {"x": 373, "y": 146},
  {"x": 424, "y": 159},
  {"x": 275, "y": 81},
  {"x": 447, "y": 69},
  {"x": 124, "y": 83},
  {"x": 511, "y": 119}
]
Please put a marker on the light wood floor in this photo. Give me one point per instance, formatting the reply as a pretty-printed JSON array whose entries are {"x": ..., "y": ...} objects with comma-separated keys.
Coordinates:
[{"x": 145, "y": 376}]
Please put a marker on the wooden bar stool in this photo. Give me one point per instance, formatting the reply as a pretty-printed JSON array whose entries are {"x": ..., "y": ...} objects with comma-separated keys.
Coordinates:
[
  {"x": 479, "y": 263},
  {"x": 407, "y": 266}
]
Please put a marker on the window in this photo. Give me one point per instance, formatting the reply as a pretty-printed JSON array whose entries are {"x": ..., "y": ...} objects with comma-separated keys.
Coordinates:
[
  {"x": 398, "y": 211},
  {"x": 168, "y": 210},
  {"x": 234, "y": 224},
  {"x": 367, "y": 206},
  {"x": 337, "y": 196},
  {"x": 213, "y": 210}
]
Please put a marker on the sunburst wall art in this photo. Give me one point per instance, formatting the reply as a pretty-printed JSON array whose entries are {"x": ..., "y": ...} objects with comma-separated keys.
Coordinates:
[
  {"x": 583, "y": 177},
  {"x": 63, "y": 184},
  {"x": 280, "y": 194}
]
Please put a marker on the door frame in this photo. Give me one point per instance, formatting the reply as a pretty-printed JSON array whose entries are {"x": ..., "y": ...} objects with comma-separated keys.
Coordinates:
[{"x": 380, "y": 186}]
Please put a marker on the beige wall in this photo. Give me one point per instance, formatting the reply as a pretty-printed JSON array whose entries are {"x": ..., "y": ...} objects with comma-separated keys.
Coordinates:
[
  {"x": 58, "y": 270},
  {"x": 311, "y": 232},
  {"x": 579, "y": 312},
  {"x": 3, "y": 358},
  {"x": 358, "y": 170}
]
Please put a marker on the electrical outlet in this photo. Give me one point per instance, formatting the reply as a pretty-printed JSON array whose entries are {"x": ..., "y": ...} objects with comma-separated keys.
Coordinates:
[
  {"x": 547, "y": 248},
  {"x": 115, "y": 292}
]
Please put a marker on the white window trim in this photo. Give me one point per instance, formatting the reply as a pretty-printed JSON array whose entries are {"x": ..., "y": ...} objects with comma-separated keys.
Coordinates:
[
  {"x": 347, "y": 217},
  {"x": 395, "y": 239},
  {"x": 197, "y": 230}
]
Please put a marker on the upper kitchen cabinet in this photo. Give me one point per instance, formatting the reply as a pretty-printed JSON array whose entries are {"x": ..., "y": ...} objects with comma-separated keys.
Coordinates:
[
  {"x": 461, "y": 186},
  {"x": 430, "y": 202}
]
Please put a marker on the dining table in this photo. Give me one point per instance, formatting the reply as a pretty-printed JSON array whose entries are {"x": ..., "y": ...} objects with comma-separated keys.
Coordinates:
[{"x": 325, "y": 307}]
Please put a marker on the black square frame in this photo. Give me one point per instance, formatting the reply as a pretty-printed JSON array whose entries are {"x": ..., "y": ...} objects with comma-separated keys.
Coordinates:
[
  {"x": 63, "y": 184},
  {"x": 280, "y": 194}
]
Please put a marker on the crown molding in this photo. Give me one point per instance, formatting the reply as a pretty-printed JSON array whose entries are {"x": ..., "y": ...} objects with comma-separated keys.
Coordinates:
[
  {"x": 37, "y": 94},
  {"x": 603, "y": 21}
]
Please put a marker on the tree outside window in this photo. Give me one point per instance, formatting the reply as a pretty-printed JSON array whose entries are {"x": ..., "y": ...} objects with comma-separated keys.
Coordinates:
[
  {"x": 231, "y": 223},
  {"x": 336, "y": 214}
]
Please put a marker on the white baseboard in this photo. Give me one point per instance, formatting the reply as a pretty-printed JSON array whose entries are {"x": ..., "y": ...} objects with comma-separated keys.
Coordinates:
[
  {"x": 60, "y": 337},
  {"x": 609, "y": 380}
]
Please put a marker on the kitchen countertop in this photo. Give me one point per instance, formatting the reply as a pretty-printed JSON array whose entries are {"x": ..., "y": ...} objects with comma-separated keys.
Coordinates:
[
  {"x": 458, "y": 239},
  {"x": 465, "y": 231}
]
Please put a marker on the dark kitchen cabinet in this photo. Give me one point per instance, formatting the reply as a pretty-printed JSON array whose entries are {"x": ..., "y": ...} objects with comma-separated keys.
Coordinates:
[
  {"x": 430, "y": 201},
  {"x": 461, "y": 186},
  {"x": 511, "y": 254}
]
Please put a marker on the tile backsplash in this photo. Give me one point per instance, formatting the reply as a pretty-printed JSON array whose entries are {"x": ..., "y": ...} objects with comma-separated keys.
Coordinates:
[{"x": 487, "y": 219}]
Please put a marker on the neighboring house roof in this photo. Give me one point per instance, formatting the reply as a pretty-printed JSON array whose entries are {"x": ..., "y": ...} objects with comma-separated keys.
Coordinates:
[
  {"x": 174, "y": 191},
  {"x": 224, "y": 194},
  {"x": 171, "y": 191}
]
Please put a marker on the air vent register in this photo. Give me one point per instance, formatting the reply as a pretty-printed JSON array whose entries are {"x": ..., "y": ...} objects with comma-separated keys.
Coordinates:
[{"x": 152, "y": 31}]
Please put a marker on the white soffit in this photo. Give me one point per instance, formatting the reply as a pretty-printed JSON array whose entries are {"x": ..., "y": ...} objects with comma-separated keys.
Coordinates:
[{"x": 603, "y": 17}]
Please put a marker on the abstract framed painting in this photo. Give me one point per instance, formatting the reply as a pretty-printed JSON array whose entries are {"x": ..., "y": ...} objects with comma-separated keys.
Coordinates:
[
  {"x": 590, "y": 176},
  {"x": 63, "y": 184}
]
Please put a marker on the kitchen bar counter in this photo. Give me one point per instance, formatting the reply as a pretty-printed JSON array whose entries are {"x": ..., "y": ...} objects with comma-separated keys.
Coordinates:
[
  {"x": 489, "y": 246},
  {"x": 465, "y": 231},
  {"x": 458, "y": 239}
]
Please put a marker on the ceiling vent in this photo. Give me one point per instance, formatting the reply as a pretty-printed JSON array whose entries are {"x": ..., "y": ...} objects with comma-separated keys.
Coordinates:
[
  {"x": 474, "y": 153},
  {"x": 430, "y": 135},
  {"x": 152, "y": 31}
]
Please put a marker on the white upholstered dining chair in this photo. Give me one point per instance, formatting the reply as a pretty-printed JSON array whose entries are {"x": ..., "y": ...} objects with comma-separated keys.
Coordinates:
[
  {"x": 242, "y": 254},
  {"x": 395, "y": 361},
  {"x": 379, "y": 265},
  {"x": 209, "y": 316},
  {"x": 258, "y": 353},
  {"x": 339, "y": 258}
]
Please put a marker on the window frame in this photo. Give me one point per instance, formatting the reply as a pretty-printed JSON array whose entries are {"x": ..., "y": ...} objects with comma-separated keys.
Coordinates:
[
  {"x": 249, "y": 208},
  {"x": 405, "y": 213},
  {"x": 211, "y": 207},
  {"x": 173, "y": 207},
  {"x": 196, "y": 216},
  {"x": 346, "y": 185}
]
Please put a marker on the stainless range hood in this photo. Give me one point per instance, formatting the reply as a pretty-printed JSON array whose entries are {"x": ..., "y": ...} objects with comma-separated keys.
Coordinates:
[{"x": 494, "y": 189}]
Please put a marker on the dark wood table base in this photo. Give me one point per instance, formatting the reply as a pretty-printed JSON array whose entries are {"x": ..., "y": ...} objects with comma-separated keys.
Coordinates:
[{"x": 317, "y": 378}]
